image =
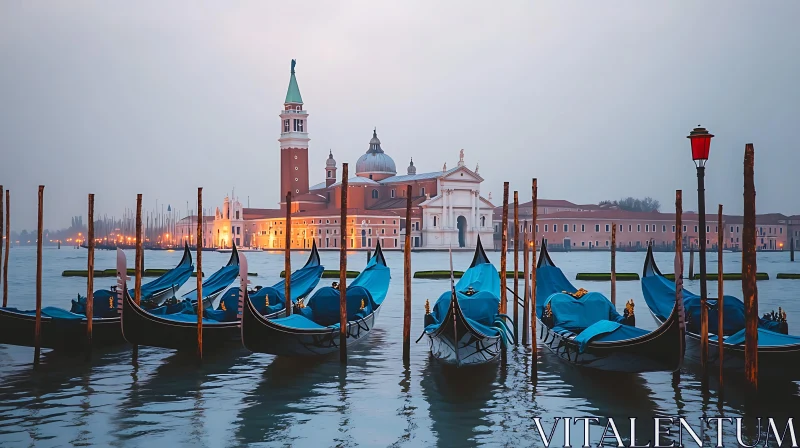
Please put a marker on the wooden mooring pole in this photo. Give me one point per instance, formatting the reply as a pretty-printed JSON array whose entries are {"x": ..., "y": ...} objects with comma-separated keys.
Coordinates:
[
  {"x": 200, "y": 273},
  {"x": 720, "y": 290},
  {"x": 678, "y": 265},
  {"x": 343, "y": 271},
  {"x": 614, "y": 263},
  {"x": 287, "y": 256},
  {"x": 749, "y": 286},
  {"x": 2, "y": 232},
  {"x": 514, "y": 300},
  {"x": 90, "y": 277},
  {"x": 534, "y": 341},
  {"x": 691, "y": 261},
  {"x": 504, "y": 252},
  {"x": 791, "y": 249},
  {"x": 526, "y": 263},
  {"x": 137, "y": 264},
  {"x": 407, "y": 281},
  {"x": 8, "y": 247},
  {"x": 37, "y": 344}
]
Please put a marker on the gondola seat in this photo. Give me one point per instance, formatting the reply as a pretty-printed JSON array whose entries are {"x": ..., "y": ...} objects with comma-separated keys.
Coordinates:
[
  {"x": 657, "y": 286},
  {"x": 105, "y": 304},
  {"x": 323, "y": 307},
  {"x": 478, "y": 309},
  {"x": 576, "y": 315}
]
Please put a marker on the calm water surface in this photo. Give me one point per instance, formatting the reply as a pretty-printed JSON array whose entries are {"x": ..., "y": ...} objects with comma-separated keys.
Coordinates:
[{"x": 238, "y": 398}]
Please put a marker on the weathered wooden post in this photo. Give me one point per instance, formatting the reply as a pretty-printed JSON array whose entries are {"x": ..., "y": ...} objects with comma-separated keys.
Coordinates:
[
  {"x": 691, "y": 261},
  {"x": 515, "y": 299},
  {"x": 504, "y": 251},
  {"x": 791, "y": 250},
  {"x": 343, "y": 271},
  {"x": 137, "y": 263},
  {"x": 614, "y": 263},
  {"x": 2, "y": 211},
  {"x": 407, "y": 281},
  {"x": 200, "y": 273},
  {"x": 287, "y": 258},
  {"x": 8, "y": 247},
  {"x": 720, "y": 290},
  {"x": 534, "y": 341},
  {"x": 749, "y": 286},
  {"x": 678, "y": 265},
  {"x": 526, "y": 284},
  {"x": 38, "y": 325},
  {"x": 90, "y": 277}
]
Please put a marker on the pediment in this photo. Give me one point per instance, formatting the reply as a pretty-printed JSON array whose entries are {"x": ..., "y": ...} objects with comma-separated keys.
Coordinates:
[{"x": 463, "y": 174}]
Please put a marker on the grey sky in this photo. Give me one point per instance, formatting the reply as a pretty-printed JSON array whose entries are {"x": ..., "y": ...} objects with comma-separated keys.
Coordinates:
[{"x": 593, "y": 98}]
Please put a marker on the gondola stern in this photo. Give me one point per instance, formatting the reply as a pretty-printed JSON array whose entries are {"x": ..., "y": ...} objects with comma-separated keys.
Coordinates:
[
  {"x": 544, "y": 256},
  {"x": 650, "y": 268},
  {"x": 313, "y": 258},
  {"x": 480, "y": 254},
  {"x": 377, "y": 256},
  {"x": 234, "y": 260}
]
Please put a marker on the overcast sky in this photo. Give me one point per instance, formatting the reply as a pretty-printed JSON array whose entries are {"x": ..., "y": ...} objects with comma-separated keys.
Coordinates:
[{"x": 593, "y": 98}]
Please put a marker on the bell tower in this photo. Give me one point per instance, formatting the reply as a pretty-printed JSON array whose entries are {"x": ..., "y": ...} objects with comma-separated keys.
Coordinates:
[{"x": 294, "y": 142}]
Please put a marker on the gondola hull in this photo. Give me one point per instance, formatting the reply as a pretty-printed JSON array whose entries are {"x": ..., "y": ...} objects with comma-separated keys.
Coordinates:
[
  {"x": 261, "y": 335},
  {"x": 773, "y": 362},
  {"x": 658, "y": 351},
  {"x": 18, "y": 329},
  {"x": 472, "y": 348},
  {"x": 142, "y": 328}
]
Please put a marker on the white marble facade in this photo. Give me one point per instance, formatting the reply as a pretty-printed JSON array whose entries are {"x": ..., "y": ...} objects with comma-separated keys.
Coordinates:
[{"x": 458, "y": 214}]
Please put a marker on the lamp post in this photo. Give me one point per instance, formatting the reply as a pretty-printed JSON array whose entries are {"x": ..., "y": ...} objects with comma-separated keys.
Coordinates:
[{"x": 701, "y": 143}]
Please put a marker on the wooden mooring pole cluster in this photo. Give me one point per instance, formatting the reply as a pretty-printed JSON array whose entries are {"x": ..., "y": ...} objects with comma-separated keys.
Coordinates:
[{"x": 524, "y": 295}]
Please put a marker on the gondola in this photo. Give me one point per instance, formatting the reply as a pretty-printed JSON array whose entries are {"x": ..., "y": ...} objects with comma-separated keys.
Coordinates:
[
  {"x": 313, "y": 329},
  {"x": 465, "y": 327},
  {"x": 777, "y": 350},
  {"x": 584, "y": 328},
  {"x": 66, "y": 330},
  {"x": 220, "y": 326},
  {"x": 153, "y": 292}
]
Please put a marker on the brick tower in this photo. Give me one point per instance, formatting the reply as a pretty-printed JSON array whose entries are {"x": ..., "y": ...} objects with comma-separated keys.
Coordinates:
[{"x": 294, "y": 142}]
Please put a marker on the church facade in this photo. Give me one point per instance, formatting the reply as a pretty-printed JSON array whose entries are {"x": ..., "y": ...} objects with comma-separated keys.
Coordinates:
[{"x": 447, "y": 207}]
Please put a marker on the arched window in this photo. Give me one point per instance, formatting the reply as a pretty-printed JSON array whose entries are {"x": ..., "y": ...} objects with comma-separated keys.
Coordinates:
[
  {"x": 374, "y": 194},
  {"x": 330, "y": 174},
  {"x": 483, "y": 221},
  {"x": 434, "y": 221}
]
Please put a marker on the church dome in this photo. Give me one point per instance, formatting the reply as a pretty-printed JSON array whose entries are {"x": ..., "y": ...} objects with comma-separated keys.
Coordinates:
[
  {"x": 331, "y": 162},
  {"x": 375, "y": 161}
]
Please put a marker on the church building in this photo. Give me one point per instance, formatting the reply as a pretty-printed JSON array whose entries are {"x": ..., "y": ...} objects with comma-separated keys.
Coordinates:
[{"x": 447, "y": 207}]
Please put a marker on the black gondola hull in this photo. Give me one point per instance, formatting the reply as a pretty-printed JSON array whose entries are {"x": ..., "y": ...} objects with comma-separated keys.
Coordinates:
[
  {"x": 472, "y": 347},
  {"x": 19, "y": 329},
  {"x": 142, "y": 328},
  {"x": 658, "y": 351},
  {"x": 773, "y": 362},
  {"x": 261, "y": 335}
]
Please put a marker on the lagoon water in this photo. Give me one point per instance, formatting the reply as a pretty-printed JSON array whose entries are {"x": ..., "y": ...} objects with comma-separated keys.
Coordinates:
[{"x": 238, "y": 398}]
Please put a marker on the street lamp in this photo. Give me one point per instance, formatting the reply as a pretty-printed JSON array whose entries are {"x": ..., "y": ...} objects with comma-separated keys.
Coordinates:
[{"x": 701, "y": 143}]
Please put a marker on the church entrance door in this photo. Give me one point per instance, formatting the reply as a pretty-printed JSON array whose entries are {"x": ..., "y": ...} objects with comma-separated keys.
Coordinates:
[{"x": 461, "y": 223}]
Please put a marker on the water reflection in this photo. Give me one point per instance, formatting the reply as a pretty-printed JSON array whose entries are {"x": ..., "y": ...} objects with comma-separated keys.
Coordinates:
[
  {"x": 55, "y": 396},
  {"x": 458, "y": 400},
  {"x": 607, "y": 394},
  {"x": 167, "y": 391}
]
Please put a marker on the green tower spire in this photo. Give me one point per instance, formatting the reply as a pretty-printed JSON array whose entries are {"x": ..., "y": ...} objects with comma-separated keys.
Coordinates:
[{"x": 293, "y": 94}]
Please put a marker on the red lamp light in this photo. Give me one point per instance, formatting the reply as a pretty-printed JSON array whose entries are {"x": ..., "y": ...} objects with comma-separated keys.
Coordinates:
[{"x": 701, "y": 145}]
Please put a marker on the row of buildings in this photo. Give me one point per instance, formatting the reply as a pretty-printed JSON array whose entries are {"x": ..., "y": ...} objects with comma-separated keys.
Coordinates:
[
  {"x": 448, "y": 209},
  {"x": 567, "y": 226}
]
